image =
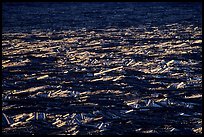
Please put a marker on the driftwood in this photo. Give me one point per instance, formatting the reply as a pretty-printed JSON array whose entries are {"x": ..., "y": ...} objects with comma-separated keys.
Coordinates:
[
  {"x": 103, "y": 81},
  {"x": 109, "y": 70}
]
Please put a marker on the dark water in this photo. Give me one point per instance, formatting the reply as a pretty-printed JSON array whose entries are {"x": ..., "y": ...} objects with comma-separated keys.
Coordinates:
[
  {"x": 18, "y": 17},
  {"x": 67, "y": 74}
]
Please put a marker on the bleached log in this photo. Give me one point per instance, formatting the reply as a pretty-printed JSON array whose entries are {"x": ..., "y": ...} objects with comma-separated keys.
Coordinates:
[
  {"x": 109, "y": 70},
  {"x": 30, "y": 90}
]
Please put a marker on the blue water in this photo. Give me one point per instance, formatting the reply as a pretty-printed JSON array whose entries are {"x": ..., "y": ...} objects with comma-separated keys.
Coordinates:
[{"x": 18, "y": 17}]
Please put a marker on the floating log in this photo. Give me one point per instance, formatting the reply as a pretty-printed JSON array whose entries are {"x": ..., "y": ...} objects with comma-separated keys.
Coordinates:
[
  {"x": 109, "y": 70},
  {"x": 30, "y": 90}
]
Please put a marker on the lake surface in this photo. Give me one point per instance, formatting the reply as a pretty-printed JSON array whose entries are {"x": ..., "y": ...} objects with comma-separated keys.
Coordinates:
[
  {"x": 19, "y": 17},
  {"x": 102, "y": 68}
]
